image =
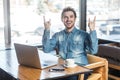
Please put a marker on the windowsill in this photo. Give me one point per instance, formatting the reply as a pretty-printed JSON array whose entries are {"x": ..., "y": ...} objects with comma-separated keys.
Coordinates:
[{"x": 110, "y": 38}]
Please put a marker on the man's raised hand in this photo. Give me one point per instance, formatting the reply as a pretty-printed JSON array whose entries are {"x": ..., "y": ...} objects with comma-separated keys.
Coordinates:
[
  {"x": 91, "y": 24},
  {"x": 47, "y": 24}
]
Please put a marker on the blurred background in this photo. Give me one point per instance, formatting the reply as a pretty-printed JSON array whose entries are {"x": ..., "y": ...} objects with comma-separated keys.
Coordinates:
[{"x": 22, "y": 20}]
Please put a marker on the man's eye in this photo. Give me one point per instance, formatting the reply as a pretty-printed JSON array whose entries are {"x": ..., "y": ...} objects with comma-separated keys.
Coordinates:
[
  {"x": 71, "y": 16},
  {"x": 65, "y": 17}
]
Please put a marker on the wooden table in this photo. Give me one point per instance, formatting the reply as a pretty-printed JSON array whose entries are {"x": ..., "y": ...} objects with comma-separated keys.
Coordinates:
[{"x": 11, "y": 70}]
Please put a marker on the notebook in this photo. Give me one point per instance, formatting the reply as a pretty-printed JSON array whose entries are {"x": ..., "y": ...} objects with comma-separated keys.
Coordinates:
[{"x": 30, "y": 56}]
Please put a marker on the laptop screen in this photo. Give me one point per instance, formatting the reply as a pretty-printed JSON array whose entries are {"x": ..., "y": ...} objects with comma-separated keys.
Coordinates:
[{"x": 28, "y": 55}]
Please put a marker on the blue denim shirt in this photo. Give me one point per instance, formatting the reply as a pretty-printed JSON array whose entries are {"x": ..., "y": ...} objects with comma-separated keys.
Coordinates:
[{"x": 71, "y": 45}]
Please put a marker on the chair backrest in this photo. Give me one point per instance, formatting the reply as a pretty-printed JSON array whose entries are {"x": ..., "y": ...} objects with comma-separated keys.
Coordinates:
[{"x": 98, "y": 65}]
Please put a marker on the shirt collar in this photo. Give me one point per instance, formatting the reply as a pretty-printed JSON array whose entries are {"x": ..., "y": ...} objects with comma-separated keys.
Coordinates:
[{"x": 73, "y": 31}]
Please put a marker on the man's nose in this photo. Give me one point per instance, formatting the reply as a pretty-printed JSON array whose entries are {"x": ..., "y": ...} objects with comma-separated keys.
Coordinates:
[{"x": 68, "y": 18}]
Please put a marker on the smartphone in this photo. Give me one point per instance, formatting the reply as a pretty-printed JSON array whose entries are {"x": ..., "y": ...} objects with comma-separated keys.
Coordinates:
[{"x": 55, "y": 70}]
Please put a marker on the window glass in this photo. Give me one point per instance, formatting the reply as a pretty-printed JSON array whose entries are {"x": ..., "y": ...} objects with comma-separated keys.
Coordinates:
[
  {"x": 107, "y": 14},
  {"x": 27, "y": 18},
  {"x": 1, "y": 23}
]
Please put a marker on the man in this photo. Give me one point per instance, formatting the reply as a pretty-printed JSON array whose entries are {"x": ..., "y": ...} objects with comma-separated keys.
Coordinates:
[{"x": 71, "y": 42}]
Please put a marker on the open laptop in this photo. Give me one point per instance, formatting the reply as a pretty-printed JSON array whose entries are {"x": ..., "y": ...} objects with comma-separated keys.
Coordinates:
[{"x": 28, "y": 55}]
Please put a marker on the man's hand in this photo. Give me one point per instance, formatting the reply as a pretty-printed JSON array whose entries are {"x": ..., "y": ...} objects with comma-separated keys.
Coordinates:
[
  {"x": 47, "y": 24},
  {"x": 91, "y": 24}
]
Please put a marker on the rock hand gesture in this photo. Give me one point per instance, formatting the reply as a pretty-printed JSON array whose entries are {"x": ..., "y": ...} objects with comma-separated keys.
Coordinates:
[
  {"x": 91, "y": 24},
  {"x": 47, "y": 24}
]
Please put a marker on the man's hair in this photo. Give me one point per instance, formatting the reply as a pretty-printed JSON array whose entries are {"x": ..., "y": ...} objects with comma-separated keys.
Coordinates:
[{"x": 68, "y": 9}]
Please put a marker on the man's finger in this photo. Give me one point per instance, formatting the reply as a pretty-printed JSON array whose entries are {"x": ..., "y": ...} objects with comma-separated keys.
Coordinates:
[
  {"x": 49, "y": 20},
  {"x": 89, "y": 20},
  {"x": 94, "y": 19}
]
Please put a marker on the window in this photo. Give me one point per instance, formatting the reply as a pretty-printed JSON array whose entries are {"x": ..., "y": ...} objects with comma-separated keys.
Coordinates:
[
  {"x": 107, "y": 14},
  {"x": 27, "y": 18},
  {"x": 1, "y": 24}
]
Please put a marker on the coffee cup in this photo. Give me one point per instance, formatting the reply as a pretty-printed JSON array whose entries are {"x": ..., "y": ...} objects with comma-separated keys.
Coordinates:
[{"x": 69, "y": 62}]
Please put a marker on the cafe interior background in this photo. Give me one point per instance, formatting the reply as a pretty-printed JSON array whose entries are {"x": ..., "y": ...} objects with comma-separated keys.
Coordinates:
[{"x": 22, "y": 20}]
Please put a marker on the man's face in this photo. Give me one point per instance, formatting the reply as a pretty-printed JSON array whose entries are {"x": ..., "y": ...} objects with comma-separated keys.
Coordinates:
[{"x": 68, "y": 19}]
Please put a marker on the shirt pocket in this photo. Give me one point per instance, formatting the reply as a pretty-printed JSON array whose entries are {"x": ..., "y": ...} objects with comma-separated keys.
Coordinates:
[
  {"x": 77, "y": 48},
  {"x": 77, "y": 45}
]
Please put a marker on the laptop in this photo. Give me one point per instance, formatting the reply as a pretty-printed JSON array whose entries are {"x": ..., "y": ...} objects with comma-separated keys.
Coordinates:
[{"x": 30, "y": 56}]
